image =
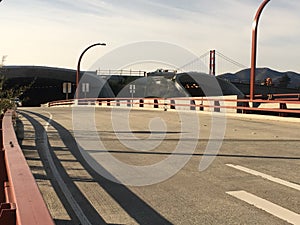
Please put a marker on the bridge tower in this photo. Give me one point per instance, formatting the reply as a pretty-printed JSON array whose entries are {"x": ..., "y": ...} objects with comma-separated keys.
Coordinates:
[{"x": 212, "y": 62}]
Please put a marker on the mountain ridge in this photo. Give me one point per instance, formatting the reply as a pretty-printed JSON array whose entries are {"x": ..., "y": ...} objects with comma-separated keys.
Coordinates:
[{"x": 287, "y": 79}]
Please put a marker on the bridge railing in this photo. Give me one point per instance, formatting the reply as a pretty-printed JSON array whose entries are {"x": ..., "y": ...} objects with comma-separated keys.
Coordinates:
[
  {"x": 280, "y": 106},
  {"x": 21, "y": 202},
  {"x": 121, "y": 73},
  {"x": 287, "y": 97}
]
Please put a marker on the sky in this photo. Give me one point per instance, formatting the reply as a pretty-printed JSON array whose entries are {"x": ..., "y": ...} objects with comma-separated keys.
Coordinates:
[{"x": 54, "y": 33}]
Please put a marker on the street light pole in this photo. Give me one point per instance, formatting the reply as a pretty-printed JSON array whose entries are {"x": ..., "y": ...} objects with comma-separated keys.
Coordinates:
[
  {"x": 78, "y": 66},
  {"x": 254, "y": 47}
]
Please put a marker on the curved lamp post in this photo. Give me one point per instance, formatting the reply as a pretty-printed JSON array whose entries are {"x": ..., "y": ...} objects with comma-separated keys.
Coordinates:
[
  {"x": 254, "y": 47},
  {"x": 78, "y": 65}
]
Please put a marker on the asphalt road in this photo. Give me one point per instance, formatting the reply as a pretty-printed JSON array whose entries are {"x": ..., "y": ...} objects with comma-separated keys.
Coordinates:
[{"x": 252, "y": 179}]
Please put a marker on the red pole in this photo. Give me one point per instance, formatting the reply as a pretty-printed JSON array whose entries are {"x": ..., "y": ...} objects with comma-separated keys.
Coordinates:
[{"x": 254, "y": 47}]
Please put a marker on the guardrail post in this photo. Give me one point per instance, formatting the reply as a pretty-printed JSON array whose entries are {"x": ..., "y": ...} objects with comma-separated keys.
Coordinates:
[
  {"x": 155, "y": 103},
  {"x": 246, "y": 105},
  {"x": 3, "y": 176},
  {"x": 201, "y": 108},
  {"x": 8, "y": 214},
  {"x": 141, "y": 102},
  {"x": 217, "y": 109},
  {"x": 172, "y": 104},
  {"x": 193, "y": 107},
  {"x": 282, "y": 106}
]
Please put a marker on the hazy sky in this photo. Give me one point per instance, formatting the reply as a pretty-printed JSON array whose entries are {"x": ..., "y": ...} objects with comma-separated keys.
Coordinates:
[{"x": 54, "y": 33}]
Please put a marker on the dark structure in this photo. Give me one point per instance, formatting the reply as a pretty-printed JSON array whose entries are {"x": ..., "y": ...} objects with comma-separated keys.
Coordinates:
[
  {"x": 206, "y": 85},
  {"x": 48, "y": 84}
]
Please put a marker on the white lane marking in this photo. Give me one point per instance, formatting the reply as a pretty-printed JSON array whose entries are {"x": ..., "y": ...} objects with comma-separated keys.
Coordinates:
[
  {"x": 46, "y": 126},
  {"x": 76, "y": 208},
  {"x": 267, "y": 206},
  {"x": 266, "y": 176}
]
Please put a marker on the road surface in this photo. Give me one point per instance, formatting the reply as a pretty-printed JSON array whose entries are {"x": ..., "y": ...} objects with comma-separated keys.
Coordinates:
[{"x": 253, "y": 179}]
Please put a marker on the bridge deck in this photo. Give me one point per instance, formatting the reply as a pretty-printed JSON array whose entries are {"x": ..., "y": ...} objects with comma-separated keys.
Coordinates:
[{"x": 76, "y": 194}]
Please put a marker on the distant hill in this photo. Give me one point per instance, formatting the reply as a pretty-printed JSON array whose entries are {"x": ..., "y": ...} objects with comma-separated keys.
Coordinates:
[{"x": 280, "y": 79}]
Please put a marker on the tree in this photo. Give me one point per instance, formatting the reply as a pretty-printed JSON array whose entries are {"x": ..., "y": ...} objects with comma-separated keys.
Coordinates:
[{"x": 8, "y": 95}]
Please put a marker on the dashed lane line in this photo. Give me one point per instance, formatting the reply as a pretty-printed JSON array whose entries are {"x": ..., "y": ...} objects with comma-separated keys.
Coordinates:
[
  {"x": 266, "y": 176},
  {"x": 267, "y": 206}
]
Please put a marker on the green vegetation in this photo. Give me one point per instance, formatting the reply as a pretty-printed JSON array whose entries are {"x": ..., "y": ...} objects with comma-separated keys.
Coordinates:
[{"x": 9, "y": 96}]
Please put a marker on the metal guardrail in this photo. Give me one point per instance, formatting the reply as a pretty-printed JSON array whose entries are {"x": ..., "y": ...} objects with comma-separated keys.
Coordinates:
[
  {"x": 21, "y": 200},
  {"x": 281, "y": 105},
  {"x": 121, "y": 73},
  {"x": 287, "y": 97}
]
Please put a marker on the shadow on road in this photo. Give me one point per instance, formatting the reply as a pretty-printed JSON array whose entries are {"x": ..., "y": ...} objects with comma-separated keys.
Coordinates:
[
  {"x": 137, "y": 208},
  {"x": 89, "y": 210}
]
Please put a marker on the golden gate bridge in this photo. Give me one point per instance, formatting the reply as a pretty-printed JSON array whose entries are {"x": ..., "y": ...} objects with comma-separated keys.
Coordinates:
[{"x": 213, "y": 62}]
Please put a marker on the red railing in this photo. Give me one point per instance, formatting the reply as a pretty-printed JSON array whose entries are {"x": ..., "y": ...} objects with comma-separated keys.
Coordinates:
[
  {"x": 281, "y": 105},
  {"x": 286, "y": 97},
  {"x": 21, "y": 200}
]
